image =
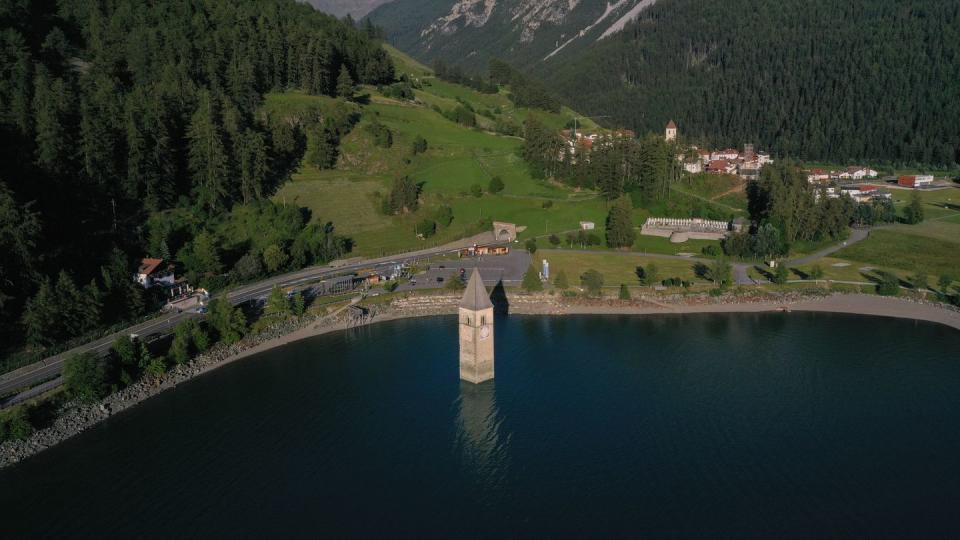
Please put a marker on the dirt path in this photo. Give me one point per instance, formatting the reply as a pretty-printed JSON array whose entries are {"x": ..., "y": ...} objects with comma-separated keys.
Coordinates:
[{"x": 739, "y": 188}]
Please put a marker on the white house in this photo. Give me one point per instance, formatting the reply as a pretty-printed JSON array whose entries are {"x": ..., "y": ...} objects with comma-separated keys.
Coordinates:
[
  {"x": 859, "y": 173},
  {"x": 693, "y": 167},
  {"x": 587, "y": 225},
  {"x": 152, "y": 272},
  {"x": 730, "y": 154},
  {"x": 817, "y": 175}
]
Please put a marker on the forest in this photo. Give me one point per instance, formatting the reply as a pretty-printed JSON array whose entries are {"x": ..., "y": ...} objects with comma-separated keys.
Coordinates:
[
  {"x": 614, "y": 166},
  {"x": 133, "y": 129},
  {"x": 863, "y": 80}
]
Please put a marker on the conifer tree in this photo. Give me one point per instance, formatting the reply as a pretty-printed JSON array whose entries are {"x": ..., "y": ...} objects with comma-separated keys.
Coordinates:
[
  {"x": 620, "y": 233},
  {"x": 344, "y": 83},
  {"x": 531, "y": 280},
  {"x": 208, "y": 155}
]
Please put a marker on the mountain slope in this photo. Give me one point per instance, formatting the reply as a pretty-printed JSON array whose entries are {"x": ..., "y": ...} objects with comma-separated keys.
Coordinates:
[
  {"x": 875, "y": 80},
  {"x": 526, "y": 31},
  {"x": 864, "y": 80},
  {"x": 339, "y": 8}
]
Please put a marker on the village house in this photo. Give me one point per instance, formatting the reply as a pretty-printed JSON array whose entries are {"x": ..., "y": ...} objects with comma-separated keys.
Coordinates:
[
  {"x": 721, "y": 166},
  {"x": 815, "y": 176},
  {"x": 694, "y": 166},
  {"x": 730, "y": 154},
  {"x": 859, "y": 173},
  {"x": 152, "y": 272},
  {"x": 477, "y": 250}
]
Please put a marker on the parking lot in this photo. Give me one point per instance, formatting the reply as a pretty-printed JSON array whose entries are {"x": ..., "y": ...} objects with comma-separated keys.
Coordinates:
[{"x": 493, "y": 268}]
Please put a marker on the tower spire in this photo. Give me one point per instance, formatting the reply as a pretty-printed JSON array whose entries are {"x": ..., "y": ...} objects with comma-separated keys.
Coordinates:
[{"x": 476, "y": 332}]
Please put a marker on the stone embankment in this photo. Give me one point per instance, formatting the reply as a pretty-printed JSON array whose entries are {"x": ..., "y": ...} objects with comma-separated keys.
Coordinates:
[
  {"x": 416, "y": 306},
  {"x": 74, "y": 418}
]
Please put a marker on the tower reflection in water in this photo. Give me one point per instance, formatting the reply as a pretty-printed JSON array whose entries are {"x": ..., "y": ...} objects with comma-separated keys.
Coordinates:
[{"x": 483, "y": 449}]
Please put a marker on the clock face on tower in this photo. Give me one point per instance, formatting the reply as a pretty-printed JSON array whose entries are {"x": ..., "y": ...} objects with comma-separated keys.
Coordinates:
[{"x": 484, "y": 332}]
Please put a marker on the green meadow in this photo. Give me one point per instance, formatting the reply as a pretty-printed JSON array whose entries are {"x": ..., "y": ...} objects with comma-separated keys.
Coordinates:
[{"x": 457, "y": 159}]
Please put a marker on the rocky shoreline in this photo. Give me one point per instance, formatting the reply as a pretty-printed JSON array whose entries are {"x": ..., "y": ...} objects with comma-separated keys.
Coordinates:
[{"x": 74, "y": 418}]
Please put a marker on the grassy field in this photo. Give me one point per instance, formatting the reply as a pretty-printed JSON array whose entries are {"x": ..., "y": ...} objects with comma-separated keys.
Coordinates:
[
  {"x": 907, "y": 251},
  {"x": 939, "y": 203},
  {"x": 457, "y": 159},
  {"x": 616, "y": 267}
]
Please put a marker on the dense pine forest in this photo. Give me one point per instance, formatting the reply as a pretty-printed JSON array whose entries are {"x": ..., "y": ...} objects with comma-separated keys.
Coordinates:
[
  {"x": 875, "y": 80},
  {"x": 132, "y": 128}
]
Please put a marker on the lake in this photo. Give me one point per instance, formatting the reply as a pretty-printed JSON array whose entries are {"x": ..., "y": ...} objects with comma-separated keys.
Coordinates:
[{"x": 756, "y": 425}]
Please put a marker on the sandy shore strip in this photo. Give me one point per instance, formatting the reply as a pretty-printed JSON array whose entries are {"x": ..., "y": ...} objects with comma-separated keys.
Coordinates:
[{"x": 856, "y": 304}]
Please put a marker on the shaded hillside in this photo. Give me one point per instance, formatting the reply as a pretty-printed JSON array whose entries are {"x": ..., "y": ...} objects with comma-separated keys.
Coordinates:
[
  {"x": 339, "y": 8},
  {"x": 130, "y": 129},
  {"x": 470, "y": 32},
  {"x": 876, "y": 79}
]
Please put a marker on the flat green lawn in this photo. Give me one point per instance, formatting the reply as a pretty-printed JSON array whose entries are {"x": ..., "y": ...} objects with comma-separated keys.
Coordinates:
[
  {"x": 616, "y": 267},
  {"x": 937, "y": 203},
  {"x": 947, "y": 229},
  {"x": 842, "y": 269},
  {"x": 656, "y": 244},
  {"x": 908, "y": 251}
]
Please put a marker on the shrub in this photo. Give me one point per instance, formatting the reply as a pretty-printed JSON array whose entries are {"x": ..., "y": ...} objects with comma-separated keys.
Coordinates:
[
  {"x": 496, "y": 185},
  {"x": 444, "y": 216},
  {"x": 554, "y": 240},
  {"x": 455, "y": 283},
  {"x": 426, "y": 228},
  {"x": 476, "y": 190},
  {"x": 648, "y": 275},
  {"x": 85, "y": 377},
  {"x": 624, "y": 292},
  {"x": 711, "y": 250},
  {"x": 419, "y": 145},
  {"x": 531, "y": 280},
  {"x": 780, "y": 274},
  {"x": 531, "y": 246},
  {"x": 889, "y": 284},
  {"x": 593, "y": 281}
]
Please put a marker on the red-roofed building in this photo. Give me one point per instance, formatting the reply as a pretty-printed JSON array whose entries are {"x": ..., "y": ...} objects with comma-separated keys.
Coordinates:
[
  {"x": 817, "y": 175},
  {"x": 153, "y": 272},
  {"x": 721, "y": 166}
]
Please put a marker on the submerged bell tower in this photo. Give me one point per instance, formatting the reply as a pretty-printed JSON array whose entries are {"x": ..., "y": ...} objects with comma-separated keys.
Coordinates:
[{"x": 476, "y": 332}]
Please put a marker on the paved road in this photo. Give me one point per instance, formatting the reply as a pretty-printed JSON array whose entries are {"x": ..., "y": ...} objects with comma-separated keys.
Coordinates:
[
  {"x": 856, "y": 236},
  {"x": 50, "y": 368}
]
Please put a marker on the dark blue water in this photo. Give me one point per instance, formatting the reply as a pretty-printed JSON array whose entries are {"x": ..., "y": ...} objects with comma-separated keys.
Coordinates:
[{"x": 775, "y": 425}]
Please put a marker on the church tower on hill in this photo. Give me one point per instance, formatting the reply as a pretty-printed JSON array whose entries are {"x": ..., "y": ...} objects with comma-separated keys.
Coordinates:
[
  {"x": 476, "y": 332},
  {"x": 671, "y": 132}
]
